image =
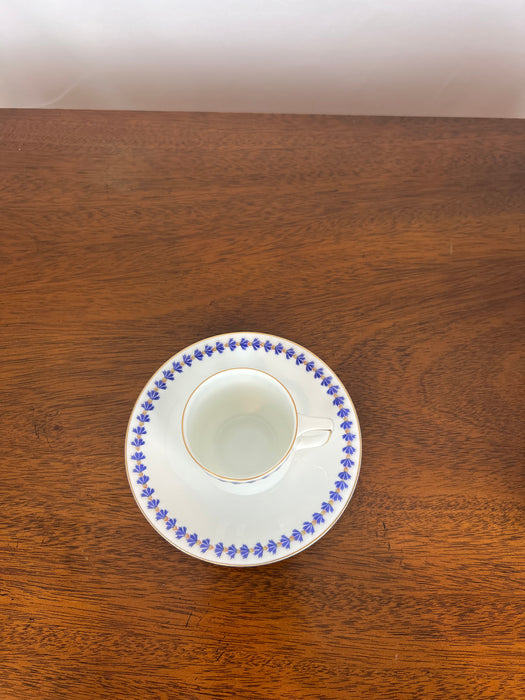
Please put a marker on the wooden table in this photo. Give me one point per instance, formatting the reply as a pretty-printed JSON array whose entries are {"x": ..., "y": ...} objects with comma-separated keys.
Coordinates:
[{"x": 394, "y": 249}]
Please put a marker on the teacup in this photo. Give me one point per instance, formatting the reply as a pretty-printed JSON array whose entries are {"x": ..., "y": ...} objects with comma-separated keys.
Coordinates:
[{"x": 241, "y": 426}]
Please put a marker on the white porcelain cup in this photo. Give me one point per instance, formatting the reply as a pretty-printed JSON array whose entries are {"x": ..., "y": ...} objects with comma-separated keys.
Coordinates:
[{"x": 241, "y": 426}]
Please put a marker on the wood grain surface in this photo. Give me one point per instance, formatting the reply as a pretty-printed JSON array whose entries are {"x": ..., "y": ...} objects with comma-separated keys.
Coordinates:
[{"x": 392, "y": 248}]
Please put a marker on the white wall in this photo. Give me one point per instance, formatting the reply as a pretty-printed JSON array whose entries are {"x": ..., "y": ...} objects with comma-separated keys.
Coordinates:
[{"x": 403, "y": 57}]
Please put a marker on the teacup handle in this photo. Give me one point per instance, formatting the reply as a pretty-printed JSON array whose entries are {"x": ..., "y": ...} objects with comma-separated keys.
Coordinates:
[{"x": 310, "y": 424}]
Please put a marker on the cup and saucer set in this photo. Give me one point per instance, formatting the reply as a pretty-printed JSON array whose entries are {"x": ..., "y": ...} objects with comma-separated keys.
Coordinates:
[{"x": 243, "y": 449}]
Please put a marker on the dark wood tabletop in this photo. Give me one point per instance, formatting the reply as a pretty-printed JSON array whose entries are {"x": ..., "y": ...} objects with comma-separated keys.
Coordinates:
[{"x": 392, "y": 248}]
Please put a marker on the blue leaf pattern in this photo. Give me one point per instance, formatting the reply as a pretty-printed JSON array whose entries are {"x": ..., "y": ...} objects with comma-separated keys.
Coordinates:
[
  {"x": 319, "y": 373},
  {"x": 147, "y": 406},
  {"x": 198, "y": 355},
  {"x": 258, "y": 550},
  {"x": 171, "y": 523},
  {"x": 219, "y": 346},
  {"x": 346, "y": 424},
  {"x": 137, "y": 442},
  {"x": 147, "y": 492},
  {"x": 310, "y": 365},
  {"x": 143, "y": 418},
  {"x": 256, "y": 343},
  {"x": 327, "y": 507},
  {"x": 308, "y": 527},
  {"x": 138, "y": 456},
  {"x": 140, "y": 468},
  {"x": 219, "y": 549},
  {"x": 341, "y": 485},
  {"x": 153, "y": 503},
  {"x": 192, "y": 539},
  {"x": 299, "y": 359},
  {"x": 290, "y": 353},
  {"x": 267, "y": 346},
  {"x": 318, "y": 517},
  {"x": 297, "y": 535},
  {"x": 272, "y": 547},
  {"x": 205, "y": 545},
  {"x": 161, "y": 514},
  {"x": 343, "y": 412},
  {"x": 232, "y": 551},
  {"x": 244, "y": 343},
  {"x": 139, "y": 430},
  {"x": 168, "y": 374},
  {"x": 181, "y": 532},
  {"x": 338, "y": 401},
  {"x": 232, "y": 345},
  {"x": 187, "y": 360},
  {"x": 208, "y": 350},
  {"x": 285, "y": 542},
  {"x": 245, "y": 550},
  {"x": 335, "y": 496},
  {"x": 326, "y": 381},
  {"x": 333, "y": 389},
  {"x": 177, "y": 367},
  {"x": 344, "y": 475},
  {"x": 154, "y": 395},
  {"x": 347, "y": 463},
  {"x": 143, "y": 479},
  {"x": 279, "y": 348}
]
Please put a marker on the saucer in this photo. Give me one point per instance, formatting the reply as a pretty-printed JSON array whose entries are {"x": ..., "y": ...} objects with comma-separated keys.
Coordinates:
[{"x": 210, "y": 520}]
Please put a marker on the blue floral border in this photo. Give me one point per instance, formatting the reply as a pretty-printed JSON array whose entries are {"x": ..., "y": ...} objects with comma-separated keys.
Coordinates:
[{"x": 285, "y": 541}]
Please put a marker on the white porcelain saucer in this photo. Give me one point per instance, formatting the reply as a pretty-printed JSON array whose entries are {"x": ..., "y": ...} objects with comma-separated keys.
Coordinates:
[{"x": 210, "y": 520}]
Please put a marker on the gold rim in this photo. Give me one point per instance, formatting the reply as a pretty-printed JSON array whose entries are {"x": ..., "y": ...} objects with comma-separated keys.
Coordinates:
[
  {"x": 230, "y": 563},
  {"x": 256, "y": 477}
]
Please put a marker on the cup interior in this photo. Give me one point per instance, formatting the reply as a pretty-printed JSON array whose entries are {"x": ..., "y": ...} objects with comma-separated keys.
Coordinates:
[{"x": 239, "y": 424}]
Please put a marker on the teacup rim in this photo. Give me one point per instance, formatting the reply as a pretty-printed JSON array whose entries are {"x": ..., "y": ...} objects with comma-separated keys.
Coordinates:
[{"x": 255, "y": 477}]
